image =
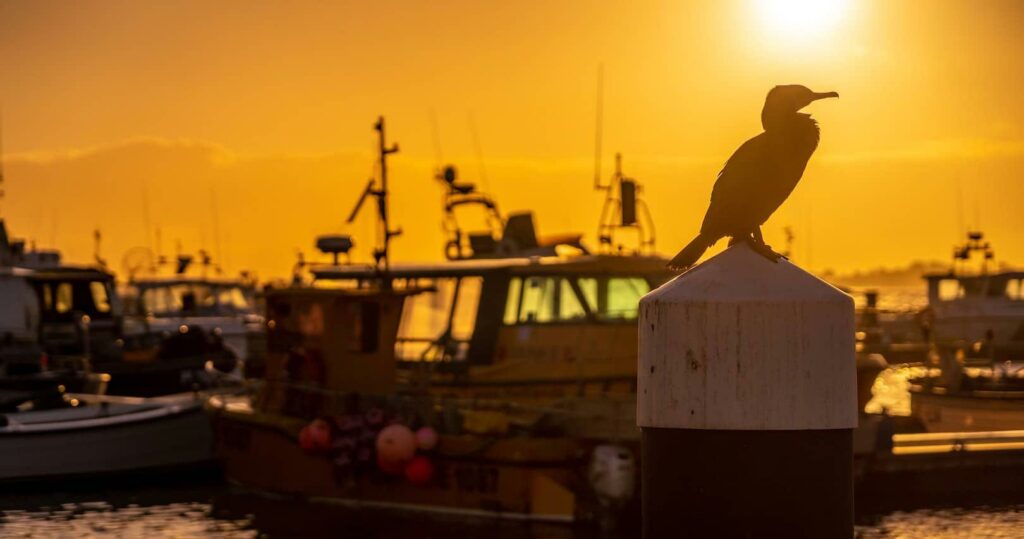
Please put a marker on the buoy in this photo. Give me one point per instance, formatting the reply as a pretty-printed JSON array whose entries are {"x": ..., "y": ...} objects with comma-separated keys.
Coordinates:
[
  {"x": 419, "y": 471},
  {"x": 396, "y": 443},
  {"x": 315, "y": 437},
  {"x": 426, "y": 438}
]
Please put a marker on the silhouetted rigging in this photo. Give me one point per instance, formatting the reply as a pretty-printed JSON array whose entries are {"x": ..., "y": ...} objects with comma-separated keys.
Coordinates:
[{"x": 760, "y": 175}]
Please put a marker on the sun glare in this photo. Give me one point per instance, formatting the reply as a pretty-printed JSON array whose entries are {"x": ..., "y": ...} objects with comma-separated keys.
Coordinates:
[{"x": 798, "y": 19}]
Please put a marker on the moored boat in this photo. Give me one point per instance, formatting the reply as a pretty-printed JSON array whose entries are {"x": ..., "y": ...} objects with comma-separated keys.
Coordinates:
[
  {"x": 518, "y": 358},
  {"x": 94, "y": 434}
]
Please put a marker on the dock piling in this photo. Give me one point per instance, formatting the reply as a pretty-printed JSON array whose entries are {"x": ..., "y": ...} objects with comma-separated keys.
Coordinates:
[{"x": 747, "y": 402}]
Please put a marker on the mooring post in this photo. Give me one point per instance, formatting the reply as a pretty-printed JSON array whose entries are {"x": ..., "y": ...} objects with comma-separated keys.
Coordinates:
[{"x": 746, "y": 396}]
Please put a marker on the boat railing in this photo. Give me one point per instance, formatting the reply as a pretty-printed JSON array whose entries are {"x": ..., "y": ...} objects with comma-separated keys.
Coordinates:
[
  {"x": 563, "y": 407},
  {"x": 946, "y": 442}
]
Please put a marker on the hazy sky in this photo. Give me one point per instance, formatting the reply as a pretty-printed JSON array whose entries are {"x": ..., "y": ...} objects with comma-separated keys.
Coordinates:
[{"x": 116, "y": 114}]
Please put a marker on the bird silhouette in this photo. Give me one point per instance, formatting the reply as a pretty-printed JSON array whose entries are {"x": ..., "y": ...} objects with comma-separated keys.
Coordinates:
[{"x": 760, "y": 175}]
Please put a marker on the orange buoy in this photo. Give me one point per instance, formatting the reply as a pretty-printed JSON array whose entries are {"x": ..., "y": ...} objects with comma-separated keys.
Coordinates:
[{"x": 396, "y": 443}]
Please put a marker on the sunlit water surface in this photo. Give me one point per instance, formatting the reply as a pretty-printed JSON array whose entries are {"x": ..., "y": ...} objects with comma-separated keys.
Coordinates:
[{"x": 214, "y": 511}]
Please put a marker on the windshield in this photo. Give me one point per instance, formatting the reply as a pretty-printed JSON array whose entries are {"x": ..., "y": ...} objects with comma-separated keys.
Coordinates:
[
  {"x": 195, "y": 299},
  {"x": 64, "y": 300}
]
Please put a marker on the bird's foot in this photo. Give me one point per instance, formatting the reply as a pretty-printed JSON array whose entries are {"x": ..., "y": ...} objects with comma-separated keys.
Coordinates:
[{"x": 763, "y": 249}]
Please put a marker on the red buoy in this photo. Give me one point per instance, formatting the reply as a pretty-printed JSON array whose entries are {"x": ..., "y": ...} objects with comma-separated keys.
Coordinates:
[{"x": 419, "y": 471}]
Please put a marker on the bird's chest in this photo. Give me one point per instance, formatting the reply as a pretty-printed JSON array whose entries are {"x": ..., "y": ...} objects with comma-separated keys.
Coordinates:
[{"x": 785, "y": 164}]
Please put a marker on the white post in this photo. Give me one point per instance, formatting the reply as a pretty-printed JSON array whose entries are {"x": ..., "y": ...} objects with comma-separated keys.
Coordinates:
[{"x": 746, "y": 394}]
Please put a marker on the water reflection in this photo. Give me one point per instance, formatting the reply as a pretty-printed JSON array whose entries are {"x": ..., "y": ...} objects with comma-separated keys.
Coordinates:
[
  {"x": 215, "y": 511},
  {"x": 978, "y": 523}
]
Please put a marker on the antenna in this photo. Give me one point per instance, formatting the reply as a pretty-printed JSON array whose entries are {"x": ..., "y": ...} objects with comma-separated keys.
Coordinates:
[
  {"x": 215, "y": 210},
  {"x": 381, "y": 194},
  {"x": 97, "y": 236},
  {"x": 479, "y": 152},
  {"x": 599, "y": 127},
  {"x": 1, "y": 155},
  {"x": 145, "y": 215}
]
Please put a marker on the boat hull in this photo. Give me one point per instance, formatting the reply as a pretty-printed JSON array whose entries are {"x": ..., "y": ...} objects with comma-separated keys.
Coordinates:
[
  {"x": 175, "y": 439},
  {"x": 533, "y": 480},
  {"x": 969, "y": 411}
]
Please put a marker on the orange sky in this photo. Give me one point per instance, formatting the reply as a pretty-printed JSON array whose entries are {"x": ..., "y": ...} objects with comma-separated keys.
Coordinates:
[{"x": 270, "y": 106}]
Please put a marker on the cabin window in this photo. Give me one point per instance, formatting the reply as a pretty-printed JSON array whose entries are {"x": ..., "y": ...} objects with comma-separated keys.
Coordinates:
[
  {"x": 536, "y": 303},
  {"x": 1014, "y": 289},
  {"x": 534, "y": 300},
  {"x": 624, "y": 295},
  {"x": 425, "y": 318},
  {"x": 366, "y": 327},
  {"x": 515, "y": 285},
  {"x": 231, "y": 298},
  {"x": 65, "y": 298},
  {"x": 542, "y": 300},
  {"x": 100, "y": 299},
  {"x": 47, "y": 297},
  {"x": 569, "y": 306},
  {"x": 950, "y": 290}
]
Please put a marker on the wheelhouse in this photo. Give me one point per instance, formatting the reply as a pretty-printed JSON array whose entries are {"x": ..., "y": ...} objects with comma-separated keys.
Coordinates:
[
  {"x": 944, "y": 288},
  {"x": 182, "y": 297},
  {"x": 479, "y": 312}
]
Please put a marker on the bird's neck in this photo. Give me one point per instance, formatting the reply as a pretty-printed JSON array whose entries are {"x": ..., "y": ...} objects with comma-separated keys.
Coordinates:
[{"x": 796, "y": 127}]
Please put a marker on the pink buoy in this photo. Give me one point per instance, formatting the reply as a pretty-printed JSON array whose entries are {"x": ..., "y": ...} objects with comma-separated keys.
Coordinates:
[
  {"x": 419, "y": 471},
  {"x": 426, "y": 438},
  {"x": 396, "y": 443}
]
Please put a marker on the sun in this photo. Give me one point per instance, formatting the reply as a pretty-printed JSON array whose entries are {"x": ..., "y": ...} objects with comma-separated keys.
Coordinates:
[{"x": 798, "y": 19}]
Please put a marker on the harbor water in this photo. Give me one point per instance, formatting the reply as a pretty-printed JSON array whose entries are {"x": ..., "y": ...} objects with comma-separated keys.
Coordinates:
[{"x": 203, "y": 506}]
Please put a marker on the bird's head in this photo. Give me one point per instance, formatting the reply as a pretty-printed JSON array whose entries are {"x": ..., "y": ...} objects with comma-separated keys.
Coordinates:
[{"x": 787, "y": 99}]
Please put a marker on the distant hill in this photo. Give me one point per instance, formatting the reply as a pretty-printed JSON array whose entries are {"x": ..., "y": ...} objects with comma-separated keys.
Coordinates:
[{"x": 906, "y": 276}]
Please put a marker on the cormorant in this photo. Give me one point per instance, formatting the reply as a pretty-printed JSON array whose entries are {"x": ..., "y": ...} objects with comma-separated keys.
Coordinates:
[{"x": 762, "y": 173}]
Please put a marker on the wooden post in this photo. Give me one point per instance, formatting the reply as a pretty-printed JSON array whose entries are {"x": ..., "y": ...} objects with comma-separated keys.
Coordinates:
[{"x": 746, "y": 394}]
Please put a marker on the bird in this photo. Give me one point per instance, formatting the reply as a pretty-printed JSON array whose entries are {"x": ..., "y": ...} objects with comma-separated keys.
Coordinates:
[{"x": 760, "y": 175}]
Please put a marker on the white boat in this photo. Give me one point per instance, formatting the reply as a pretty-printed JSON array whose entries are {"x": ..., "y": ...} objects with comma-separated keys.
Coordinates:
[
  {"x": 102, "y": 434},
  {"x": 981, "y": 313},
  {"x": 224, "y": 307}
]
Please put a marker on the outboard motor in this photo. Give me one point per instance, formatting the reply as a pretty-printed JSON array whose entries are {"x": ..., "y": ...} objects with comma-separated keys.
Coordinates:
[{"x": 612, "y": 476}]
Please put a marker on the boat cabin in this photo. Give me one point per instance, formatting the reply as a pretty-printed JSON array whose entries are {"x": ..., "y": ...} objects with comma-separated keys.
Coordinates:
[
  {"x": 160, "y": 305},
  {"x": 952, "y": 287},
  {"x": 518, "y": 321},
  {"x": 982, "y": 311}
]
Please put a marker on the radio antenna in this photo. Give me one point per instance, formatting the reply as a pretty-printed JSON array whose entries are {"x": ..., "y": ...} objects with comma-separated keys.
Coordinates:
[
  {"x": 599, "y": 127},
  {"x": 380, "y": 192}
]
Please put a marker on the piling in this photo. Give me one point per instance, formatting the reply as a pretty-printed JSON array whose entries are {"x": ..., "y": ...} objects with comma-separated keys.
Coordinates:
[{"x": 746, "y": 397}]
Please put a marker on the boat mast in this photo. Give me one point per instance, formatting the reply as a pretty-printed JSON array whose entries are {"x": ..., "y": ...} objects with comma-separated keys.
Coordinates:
[{"x": 380, "y": 254}]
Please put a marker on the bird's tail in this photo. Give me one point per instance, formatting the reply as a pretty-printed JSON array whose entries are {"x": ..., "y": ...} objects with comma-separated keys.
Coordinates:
[{"x": 691, "y": 253}]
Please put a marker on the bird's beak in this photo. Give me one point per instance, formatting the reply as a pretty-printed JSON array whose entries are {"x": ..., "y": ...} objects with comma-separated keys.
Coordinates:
[{"x": 823, "y": 95}]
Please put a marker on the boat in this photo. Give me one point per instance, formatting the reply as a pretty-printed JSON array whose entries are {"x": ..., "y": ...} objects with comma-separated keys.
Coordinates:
[
  {"x": 157, "y": 306},
  {"x": 518, "y": 354},
  {"x": 979, "y": 312},
  {"x": 88, "y": 434},
  {"x": 975, "y": 321}
]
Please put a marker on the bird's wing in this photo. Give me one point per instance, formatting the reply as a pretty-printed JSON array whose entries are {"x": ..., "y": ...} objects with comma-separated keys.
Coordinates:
[{"x": 737, "y": 191}]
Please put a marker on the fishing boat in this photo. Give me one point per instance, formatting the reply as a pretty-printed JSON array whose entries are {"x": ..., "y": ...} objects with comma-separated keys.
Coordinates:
[
  {"x": 979, "y": 312},
  {"x": 156, "y": 305},
  {"x": 974, "y": 381},
  {"x": 64, "y": 321},
  {"x": 505, "y": 375}
]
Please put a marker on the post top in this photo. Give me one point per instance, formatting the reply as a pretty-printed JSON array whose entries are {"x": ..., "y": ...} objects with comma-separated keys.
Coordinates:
[{"x": 740, "y": 274}]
